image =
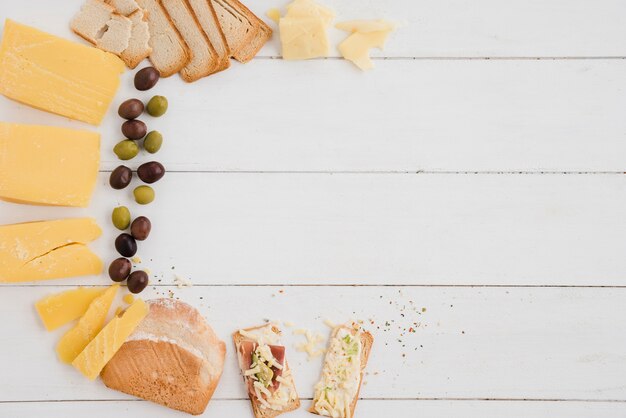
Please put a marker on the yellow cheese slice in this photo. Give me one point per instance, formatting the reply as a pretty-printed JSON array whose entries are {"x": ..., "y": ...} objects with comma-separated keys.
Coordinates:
[
  {"x": 308, "y": 9},
  {"x": 103, "y": 347},
  {"x": 356, "y": 47},
  {"x": 48, "y": 165},
  {"x": 89, "y": 325},
  {"x": 303, "y": 38},
  {"x": 59, "y": 309},
  {"x": 57, "y": 75},
  {"x": 48, "y": 250}
]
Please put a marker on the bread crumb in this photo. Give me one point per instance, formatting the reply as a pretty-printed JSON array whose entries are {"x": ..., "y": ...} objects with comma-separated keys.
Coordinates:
[
  {"x": 289, "y": 324},
  {"x": 136, "y": 260},
  {"x": 329, "y": 323},
  {"x": 273, "y": 14},
  {"x": 181, "y": 282}
]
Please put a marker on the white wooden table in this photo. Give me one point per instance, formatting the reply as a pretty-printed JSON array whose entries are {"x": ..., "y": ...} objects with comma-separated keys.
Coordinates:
[{"x": 477, "y": 172}]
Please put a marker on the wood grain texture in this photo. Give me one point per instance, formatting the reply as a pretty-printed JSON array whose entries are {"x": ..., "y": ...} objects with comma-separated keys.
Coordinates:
[
  {"x": 505, "y": 343},
  {"x": 365, "y": 409},
  {"x": 432, "y": 28},
  {"x": 403, "y": 116},
  {"x": 370, "y": 228}
]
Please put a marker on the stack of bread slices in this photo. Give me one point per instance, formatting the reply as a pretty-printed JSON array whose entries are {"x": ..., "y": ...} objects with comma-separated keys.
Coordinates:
[{"x": 195, "y": 38}]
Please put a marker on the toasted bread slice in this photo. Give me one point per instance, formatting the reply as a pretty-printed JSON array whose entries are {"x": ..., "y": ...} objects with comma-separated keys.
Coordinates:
[
  {"x": 261, "y": 35},
  {"x": 92, "y": 19},
  {"x": 170, "y": 52},
  {"x": 204, "y": 58},
  {"x": 205, "y": 13},
  {"x": 139, "y": 44},
  {"x": 258, "y": 410},
  {"x": 116, "y": 36},
  {"x": 124, "y": 7},
  {"x": 173, "y": 358},
  {"x": 238, "y": 29},
  {"x": 367, "y": 340}
]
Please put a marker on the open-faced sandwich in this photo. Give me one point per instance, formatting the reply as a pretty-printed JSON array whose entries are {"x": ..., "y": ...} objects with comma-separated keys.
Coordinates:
[
  {"x": 337, "y": 391},
  {"x": 265, "y": 371}
]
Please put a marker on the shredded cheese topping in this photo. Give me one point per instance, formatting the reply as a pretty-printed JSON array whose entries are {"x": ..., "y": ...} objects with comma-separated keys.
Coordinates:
[
  {"x": 285, "y": 393},
  {"x": 341, "y": 375}
]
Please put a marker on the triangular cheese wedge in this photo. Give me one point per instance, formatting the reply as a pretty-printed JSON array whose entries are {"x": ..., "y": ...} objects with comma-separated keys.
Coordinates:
[{"x": 75, "y": 340}]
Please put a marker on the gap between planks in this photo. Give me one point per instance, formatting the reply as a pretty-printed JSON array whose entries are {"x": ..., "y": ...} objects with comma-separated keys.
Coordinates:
[
  {"x": 443, "y": 399},
  {"x": 397, "y": 172},
  {"x": 514, "y": 286},
  {"x": 466, "y": 58}
]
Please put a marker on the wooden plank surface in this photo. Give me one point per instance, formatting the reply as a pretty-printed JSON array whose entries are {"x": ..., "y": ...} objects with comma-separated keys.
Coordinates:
[
  {"x": 508, "y": 267},
  {"x": 437, "y": 116},
  {"x": 371, "y": 228},
  {"x": 502, "y": 343},
  {"x": 366, "y": 409}
]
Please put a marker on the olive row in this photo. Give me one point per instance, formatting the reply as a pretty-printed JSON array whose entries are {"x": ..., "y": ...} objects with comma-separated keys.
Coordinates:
[
  {"x": 150, "y": 172},
  {"x": 126, "y": 246}
]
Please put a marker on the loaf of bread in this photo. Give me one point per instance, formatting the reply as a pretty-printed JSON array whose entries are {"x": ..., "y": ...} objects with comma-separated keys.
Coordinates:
[{"x": 173, "y": 358}]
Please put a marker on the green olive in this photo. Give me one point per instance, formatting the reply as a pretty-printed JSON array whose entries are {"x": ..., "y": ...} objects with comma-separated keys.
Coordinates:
[
  {"x": 126, "y": 149},
  {"x": 121, "y": 217},
  {"x": 157, "y": 106},
  {"x": 143, "y": 194},
  {"x": 153, "y": 141}
]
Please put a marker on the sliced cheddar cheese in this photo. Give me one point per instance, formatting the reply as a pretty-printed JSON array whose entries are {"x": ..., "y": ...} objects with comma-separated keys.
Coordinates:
[
  {"x": 89, "y": 325},
  {"x": 48, "y": 250},
  {"x": 47, "y": 165},
  {"x": 103, "y": 347},
  {"x": 59, "y": 309},
  {"x": 57, "y": 75}
]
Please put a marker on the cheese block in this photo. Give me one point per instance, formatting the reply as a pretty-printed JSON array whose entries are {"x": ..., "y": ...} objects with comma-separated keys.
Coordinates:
[
  {"x": 89, "y": 325},
  {"x": 48, "y": 250},
  {"x": 103, "y": 347},
  {"x": 59, "y": 309},
  {"x": 57, "y": 75},
  {"x": 47, "y": 165},
  {"x": 303, "y": 30}
]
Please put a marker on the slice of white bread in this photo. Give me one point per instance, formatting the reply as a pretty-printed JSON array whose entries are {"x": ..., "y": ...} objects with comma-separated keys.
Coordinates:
[
  {"x": 238, "y": 29},
  {"x": 261, "y": 34},
  {"x": 139, "y": 44},
  {"x": 124, "y": 7},
  {"x": 116, "y": 36},
  {"x": 204, "y": 58},
  {"x": 91, "y": 21},
  {"x": 257, "y": 409},
  {"x": 170, "y": 53},
  {"x": 367, "y": 340},
  {"x": 205, "y": 13},
  {"x": 249, "y": 51},
  {"x": 173, "y": 358}
]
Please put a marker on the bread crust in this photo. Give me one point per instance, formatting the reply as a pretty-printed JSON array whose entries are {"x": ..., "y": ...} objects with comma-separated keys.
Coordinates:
[
  {"x": 256, "y": 406},
  {"x": 232, "y": 8},
  {"x": 173, "y": 358},
  {"x": 367, "y": 340}
]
